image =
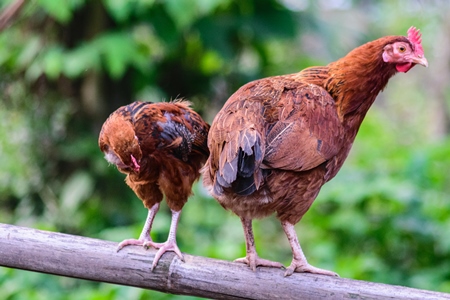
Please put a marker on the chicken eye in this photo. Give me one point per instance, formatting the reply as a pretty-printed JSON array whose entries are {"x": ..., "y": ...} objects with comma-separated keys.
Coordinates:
[{"x": 402, "y": 49}]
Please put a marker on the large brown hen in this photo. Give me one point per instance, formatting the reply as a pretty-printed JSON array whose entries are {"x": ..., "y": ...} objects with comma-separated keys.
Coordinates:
[
  {"x": 278, "y": 140},
  {"x": 161, "y": 148}
]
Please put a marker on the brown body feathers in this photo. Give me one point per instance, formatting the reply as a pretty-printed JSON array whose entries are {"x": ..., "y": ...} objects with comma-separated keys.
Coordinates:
[
  {"x": 161, "y": 148},
  {"x": 277, "y": 140}
]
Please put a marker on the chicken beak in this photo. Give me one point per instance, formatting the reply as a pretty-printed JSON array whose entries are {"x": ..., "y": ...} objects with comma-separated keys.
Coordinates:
[
  {"x": 421, "y": 60},
  {"x": 136, "y": 166}
]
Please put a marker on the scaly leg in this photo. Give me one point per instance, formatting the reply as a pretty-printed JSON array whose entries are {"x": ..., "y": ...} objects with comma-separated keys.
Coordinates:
[
  {"x": 145, "y": 234},
  {"x": 299, "y": 262},
  {"x": 170, "y": 244},
  {"x": 252, "y": 259}
]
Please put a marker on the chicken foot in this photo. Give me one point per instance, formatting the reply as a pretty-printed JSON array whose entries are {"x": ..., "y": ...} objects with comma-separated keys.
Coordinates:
[
  {"x": 146, "y": 240},
  {"x": 145, "y": 234},
  {"x": 170, "y": 244},
  {"x": 252, "y": 259},
  {"x": 299, "y": 262}
]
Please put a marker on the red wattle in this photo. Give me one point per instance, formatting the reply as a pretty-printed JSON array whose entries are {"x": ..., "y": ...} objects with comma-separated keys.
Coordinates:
[{"x": 405, "y": 67}]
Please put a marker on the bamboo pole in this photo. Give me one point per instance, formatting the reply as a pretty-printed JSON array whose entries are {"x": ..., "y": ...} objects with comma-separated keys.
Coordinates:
[{"x": 97, "y": 260}]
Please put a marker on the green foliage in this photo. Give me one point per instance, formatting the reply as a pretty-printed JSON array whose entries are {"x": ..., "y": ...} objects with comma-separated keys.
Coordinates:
[
  {"x": 394, "y": 215},
  {"x": 65, "y": 65},
  {"x": 61, "y": 11}
]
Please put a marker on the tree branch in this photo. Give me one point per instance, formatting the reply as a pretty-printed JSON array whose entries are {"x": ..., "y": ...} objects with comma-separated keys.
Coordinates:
[
  {"x": 92, "y": 259},
  {"x": 10, "y": 12}
]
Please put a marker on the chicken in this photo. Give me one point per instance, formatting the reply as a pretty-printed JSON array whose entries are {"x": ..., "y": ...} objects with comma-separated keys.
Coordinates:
[
  {"x": 278, "y": 140},
  {"x": 161, "y": 148}
]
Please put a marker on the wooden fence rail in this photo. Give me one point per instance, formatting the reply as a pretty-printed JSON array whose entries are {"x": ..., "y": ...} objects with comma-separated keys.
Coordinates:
[{"x": 93, "y": 259}]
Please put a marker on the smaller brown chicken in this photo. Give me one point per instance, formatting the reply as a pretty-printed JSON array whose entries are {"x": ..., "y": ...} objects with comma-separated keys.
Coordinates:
[{"x": 161, "y": 148}]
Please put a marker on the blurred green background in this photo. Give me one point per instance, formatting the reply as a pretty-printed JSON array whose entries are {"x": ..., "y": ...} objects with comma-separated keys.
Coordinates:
[{"x": 66, "y": 65}]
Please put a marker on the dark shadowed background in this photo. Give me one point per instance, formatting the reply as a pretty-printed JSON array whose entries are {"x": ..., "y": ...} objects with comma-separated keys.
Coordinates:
[{"x": 66, "y": 65}]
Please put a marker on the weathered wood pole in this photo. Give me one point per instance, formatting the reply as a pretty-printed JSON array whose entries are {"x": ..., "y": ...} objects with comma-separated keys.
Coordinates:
[{"x": 93, "y": 259}]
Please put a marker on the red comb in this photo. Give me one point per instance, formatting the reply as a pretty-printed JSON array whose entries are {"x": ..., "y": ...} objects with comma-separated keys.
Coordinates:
[{"x": 415, "y": 37}]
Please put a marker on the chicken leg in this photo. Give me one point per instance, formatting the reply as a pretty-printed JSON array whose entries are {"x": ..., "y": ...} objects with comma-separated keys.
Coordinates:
[
  {"x": 170, "y": 244},
  {"x": 146, "y": 240},
  {"x": 252, "y": 259},
  {"x": 145, "y": 234},
  {"x": 299, "y": 262}
]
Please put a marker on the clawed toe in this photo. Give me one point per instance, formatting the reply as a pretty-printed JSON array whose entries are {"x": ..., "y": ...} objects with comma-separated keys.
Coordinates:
[
  {"x": 129, "y": 242},
  {"x": 163, "y": 248},
  {"x": 147, "y": 243},
  {"x": 301, "y": 267},
  {"x": 255, "y": 261}
]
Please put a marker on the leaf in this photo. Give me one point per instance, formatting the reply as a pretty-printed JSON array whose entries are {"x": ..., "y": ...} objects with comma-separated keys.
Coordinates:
[
  {"x": 60, "y": 10},
  {"x": 211, "y": 62},
  {"x": 76, "y": 190},
  {"x": 183, "y": 12},
  {"x": 81, "y": 59},
  {"x": 120, "y": 9},
  {"x": 186, "y": 12},
  {"x": 53, "y": 62},
  {"x": 29, "y": 51},
  {"x": 117, "y": 59}
]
